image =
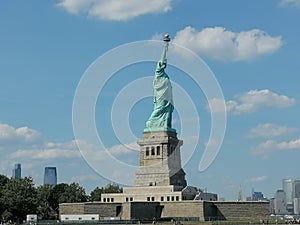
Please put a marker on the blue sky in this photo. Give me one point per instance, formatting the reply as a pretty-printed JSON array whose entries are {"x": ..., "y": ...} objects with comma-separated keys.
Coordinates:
[{"x": 252, "y": 48}]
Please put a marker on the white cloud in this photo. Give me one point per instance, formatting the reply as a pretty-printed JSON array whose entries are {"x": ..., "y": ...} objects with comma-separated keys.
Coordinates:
[
  {"x": 27, "y": 146},
  {"x": 270, "y": 130},
  {"x": 49, "y": 151},
  {"x": 250, "y": 102},
  {"x": 266, "y": 97},
  {"x": 116, "y": 9},
  {"x": 95, "y": 155},
  {"x": 18, "y": 135},
  {"x": 271, "y": 146},
  {"x": 124, "y": 149},
  {"x": 290, "y": 3},
  {"x": 256, "y": 179},
  {"x": 221, "y": 44}
]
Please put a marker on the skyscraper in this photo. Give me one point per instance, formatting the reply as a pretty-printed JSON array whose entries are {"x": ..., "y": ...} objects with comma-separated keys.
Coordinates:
[
  {"x": 279, "y": 202},
  {"x": 288, "y": 185},
  {"x": 258, "y": 196},
  {"x": 296, "y": 188},
  {"x": 17, "y": 171},
  {"x": 50, "y": 176}
]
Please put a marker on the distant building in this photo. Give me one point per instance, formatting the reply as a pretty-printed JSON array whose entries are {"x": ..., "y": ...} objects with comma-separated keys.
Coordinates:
[
  {"x": 296, "y": 196},
  {"x": 50, "y": 176},
  {"x": 291, "y": 187},
  {"x": 240, "y": 195},
  {"x": 279, "y": 202},
  {"x": 296, "y": 188},
  {"x": 272, "y": 208},
  {"x": 258, "y": 196},
  {"x": 287, "y": 185},
  {"x": 297, "y": 206},
  {"x": 17, "y": 171}
]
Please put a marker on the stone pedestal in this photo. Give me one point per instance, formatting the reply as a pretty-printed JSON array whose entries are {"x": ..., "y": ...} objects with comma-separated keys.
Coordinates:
[
  {"x": 160, "y": 161},
  {"x": 159, "y": 177}
]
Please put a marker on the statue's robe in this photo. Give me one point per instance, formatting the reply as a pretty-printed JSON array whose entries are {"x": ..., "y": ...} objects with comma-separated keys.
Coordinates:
[{"x": 161, "y": 117}]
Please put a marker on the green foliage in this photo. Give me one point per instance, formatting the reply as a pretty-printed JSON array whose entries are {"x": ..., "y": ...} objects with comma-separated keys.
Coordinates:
[
  {"x": 110, "y": 188},
  {"x": 64, "y": 193},
  {"x": 49, "y": 197},
  {"x": 73, "y": 193},
  {"x": 55, "y": 193},
  {"x": 96, "y": 194},
  {"x": 44, "y": 208},
  {"x": 3, "y": 182},
  {"x": 19, "y": 197}
]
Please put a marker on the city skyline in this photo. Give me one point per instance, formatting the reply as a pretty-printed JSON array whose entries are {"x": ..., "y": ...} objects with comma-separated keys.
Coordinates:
[
  {"x": 286, "y": 200},
  {"x": 290, "y": 192},
  {"x": 252, "y": 48}
]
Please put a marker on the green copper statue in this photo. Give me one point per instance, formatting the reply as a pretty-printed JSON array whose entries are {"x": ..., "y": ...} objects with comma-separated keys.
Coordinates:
[{"x": 161, "y": 117}]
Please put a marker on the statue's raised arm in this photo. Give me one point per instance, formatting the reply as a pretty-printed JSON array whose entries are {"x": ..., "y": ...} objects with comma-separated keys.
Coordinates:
[
  {"x": 162, "y": 63},
  {"x": 161, "y": 117}
]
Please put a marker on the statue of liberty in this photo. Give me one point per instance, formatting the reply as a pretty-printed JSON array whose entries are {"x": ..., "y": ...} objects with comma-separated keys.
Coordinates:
[{"x": 161, "y": 117}]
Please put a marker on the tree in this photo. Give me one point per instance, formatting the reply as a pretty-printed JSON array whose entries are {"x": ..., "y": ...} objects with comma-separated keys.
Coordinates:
[
  {"x": 96, "y": 194},
  {"x": 110, "y": 188},
  {"x": 19, "y": 198},
  {"x": 54, "y": 196},
  {"x": 3, "y": 182},
  {"x": 44, "y": 208},
  {"x": 64, "y": 193},
  {"x": 73, "y": 193}
]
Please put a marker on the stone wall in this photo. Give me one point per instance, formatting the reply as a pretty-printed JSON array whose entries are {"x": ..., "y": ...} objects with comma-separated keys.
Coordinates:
[
  {"x": 126, "y": 211},
  {"x": 242, "y": 210},
  {"x": 210, "y": 211},
  {"x": 196, "y": 210},
  {"x": 192, "y": 209},
  {"x": 71, "y": 208},
  {"x": 102, "y": 209},
  {"x": 145, "y": 210}
]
